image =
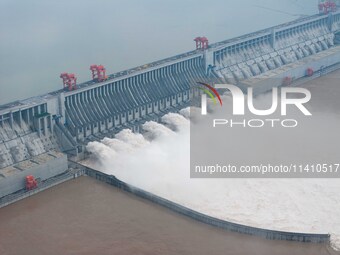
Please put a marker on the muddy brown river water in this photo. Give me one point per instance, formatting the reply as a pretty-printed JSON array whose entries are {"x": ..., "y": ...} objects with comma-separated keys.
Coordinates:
[{"x": 85, "y": 216}]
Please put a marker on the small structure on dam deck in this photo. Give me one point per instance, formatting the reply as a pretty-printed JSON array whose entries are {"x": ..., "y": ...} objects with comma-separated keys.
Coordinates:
[{"x": 31, "y": 182}]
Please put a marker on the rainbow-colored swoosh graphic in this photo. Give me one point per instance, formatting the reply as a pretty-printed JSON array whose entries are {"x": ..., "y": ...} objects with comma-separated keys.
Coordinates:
[{"x": 211, "y": 92}]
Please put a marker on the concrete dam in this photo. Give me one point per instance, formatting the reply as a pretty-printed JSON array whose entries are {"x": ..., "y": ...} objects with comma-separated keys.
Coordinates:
[{"x": 39, "y": 133}]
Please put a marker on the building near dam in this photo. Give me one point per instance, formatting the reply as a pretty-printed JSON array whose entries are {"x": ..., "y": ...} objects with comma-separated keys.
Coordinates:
[{"x": 36, "y": 134}]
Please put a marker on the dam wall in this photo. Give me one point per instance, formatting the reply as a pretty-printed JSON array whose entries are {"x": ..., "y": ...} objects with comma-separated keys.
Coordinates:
[
  {"x": 67, "y": 120},
  {"x": 255, "y": 54},
  {"x": 93, "y": 110},
  {"x": 322, "y": 62},
  {"x": 226, "y": 225},
  {"x": 26, "y": 133},
  {"x": 42, "y": 167}
]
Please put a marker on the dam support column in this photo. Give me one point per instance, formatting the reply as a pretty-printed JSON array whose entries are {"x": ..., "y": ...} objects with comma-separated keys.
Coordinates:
[
  {"x": 62, "y": 106},
  {"x": 330, "y": 22},
  {"x": 50, "y": 124},
  {"x": 20, "y": 119},
  {"x": 208, "y": 59},
  {"x": 37, "y": 126},
  {"x": 273, "y": 39},
  {"x": 11, "y": 119}
]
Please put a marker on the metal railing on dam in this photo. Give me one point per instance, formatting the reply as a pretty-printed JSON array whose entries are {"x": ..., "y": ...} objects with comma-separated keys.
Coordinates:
[{"x": 226, "y": 225}]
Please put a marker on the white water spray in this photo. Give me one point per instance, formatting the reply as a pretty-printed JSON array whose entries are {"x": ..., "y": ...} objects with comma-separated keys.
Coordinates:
[{"x": 158, "y": 162}]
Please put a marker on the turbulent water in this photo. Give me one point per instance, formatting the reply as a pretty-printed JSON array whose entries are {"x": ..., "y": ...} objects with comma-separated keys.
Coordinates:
[{"x": 158, "y": 161}]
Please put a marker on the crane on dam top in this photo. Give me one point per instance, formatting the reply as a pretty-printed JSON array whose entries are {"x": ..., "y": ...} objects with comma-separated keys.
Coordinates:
[
  {"x": 202, "y": 43},
  {"x": 98, "y": 73},
  {"x": 327, "y": 6},
  {"x": 69, "y": 81}
]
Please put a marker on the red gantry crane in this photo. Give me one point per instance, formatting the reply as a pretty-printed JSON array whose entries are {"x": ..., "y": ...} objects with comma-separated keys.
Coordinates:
[
  {"x": 69, "y": 81},
  {"x": 326, "y": 7},
  {"x": 201, "y": 43},
  {"x": 98, "y": 72}
]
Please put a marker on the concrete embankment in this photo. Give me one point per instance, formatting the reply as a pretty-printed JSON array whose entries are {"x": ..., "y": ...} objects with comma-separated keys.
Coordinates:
[{"x": 265, "y": 233}]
